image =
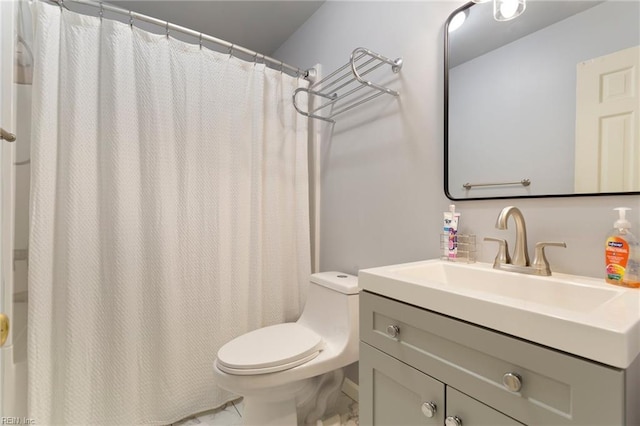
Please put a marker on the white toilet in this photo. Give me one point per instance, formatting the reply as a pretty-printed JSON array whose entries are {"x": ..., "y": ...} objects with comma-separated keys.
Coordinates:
[{"x": 289, "y": 373}]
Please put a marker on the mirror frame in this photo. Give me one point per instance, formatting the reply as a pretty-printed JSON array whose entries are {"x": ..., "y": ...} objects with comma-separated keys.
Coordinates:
[{"x": 446, "y": 135}]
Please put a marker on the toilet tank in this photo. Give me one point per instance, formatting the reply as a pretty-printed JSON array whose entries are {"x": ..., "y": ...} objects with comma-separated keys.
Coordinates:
[
  {"x": 331, "y": 309},
  {"x": 336, "y": 281}
]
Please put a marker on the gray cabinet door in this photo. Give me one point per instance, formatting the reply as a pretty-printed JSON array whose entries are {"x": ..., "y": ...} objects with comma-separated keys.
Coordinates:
[
  {"x": 393, "y": 394},
  {"x": 475, "y": 413}
]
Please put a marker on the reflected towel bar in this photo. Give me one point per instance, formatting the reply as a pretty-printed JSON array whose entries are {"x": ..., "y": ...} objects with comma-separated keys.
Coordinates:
[{"x": 523, "y": 182}]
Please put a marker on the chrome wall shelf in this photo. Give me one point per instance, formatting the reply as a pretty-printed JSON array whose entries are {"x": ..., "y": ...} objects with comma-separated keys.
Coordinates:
[
  {"x": 342, "y": 90},
  {"x": 7, "y": 136}
]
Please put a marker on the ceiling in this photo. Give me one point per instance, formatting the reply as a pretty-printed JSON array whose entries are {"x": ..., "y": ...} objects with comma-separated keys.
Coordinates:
[{"x": 259, "y": 25}]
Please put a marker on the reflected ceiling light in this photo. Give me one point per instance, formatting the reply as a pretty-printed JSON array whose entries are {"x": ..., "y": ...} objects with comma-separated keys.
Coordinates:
[
  {"x": 480, "y": 1},
  {"x": 504, "y": 10},
  {"x": 457, "y": 21}
]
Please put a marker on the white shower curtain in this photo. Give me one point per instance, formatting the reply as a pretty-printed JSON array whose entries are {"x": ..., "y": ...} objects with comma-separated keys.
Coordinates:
[{"x": 169, "y": 214}]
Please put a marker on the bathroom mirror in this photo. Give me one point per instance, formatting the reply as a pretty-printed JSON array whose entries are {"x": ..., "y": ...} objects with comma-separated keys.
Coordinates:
[{"x": 546, "y": 104}]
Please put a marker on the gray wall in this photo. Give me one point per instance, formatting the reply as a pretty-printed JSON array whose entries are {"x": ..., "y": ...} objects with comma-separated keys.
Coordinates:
[
  {"x": 536, "y": 139},
  {"x": 382, "y": 174}
]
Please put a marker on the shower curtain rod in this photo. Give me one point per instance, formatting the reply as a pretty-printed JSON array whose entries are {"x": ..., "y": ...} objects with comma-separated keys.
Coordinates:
[{"x": 276, "y": 64}]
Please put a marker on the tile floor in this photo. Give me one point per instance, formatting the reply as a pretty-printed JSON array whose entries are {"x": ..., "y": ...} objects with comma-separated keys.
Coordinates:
[
  {"x": 231, "y": 415},
  {"x": 227, "y": 415}
]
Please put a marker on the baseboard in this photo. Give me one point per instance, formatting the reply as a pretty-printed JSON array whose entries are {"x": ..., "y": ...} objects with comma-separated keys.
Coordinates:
[{"x": 350, "y": 389}]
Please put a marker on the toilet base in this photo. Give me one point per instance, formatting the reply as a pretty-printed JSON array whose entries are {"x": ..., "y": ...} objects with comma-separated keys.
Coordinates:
[
  {"x": 299, "y": 403},
  {"x": 327, "y": 389}
]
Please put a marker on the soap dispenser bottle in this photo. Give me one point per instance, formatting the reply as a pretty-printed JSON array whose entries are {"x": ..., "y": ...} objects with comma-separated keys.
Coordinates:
[{"x": 622, "y": 253}]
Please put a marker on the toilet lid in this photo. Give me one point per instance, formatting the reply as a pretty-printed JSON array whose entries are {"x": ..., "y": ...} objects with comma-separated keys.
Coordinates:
[{"x": 270, "y": 349}]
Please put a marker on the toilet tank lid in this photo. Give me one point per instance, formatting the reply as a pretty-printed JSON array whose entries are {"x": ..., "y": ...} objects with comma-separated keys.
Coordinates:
[{"x": 337, "y": 281}]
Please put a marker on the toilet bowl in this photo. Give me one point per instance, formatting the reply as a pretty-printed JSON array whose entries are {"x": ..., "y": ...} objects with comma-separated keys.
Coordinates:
[{"x": 290, "y": 373}]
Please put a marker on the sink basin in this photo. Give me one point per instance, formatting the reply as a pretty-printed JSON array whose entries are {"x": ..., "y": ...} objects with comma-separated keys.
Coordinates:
[
  {"x": 551, "y": 291},
  {"x": 580, "y": 315}
]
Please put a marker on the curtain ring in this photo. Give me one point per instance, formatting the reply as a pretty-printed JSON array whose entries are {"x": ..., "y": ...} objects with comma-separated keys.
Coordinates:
[
  {"x": 255, "y": 58},
  {"x": 200, "y": 41},
  {"x": 167, "y": 28},
  {"x": 281, "y": 67},
  {"x": 131, "y": 19},
  {"x": 101, "y": 13},
  {"x": 231, "y": 50}
]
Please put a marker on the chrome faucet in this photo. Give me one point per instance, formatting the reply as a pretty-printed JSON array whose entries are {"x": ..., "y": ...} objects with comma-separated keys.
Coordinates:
[
  {"x": 519, "y": 262},
  {"x": 520, "y": 255}
]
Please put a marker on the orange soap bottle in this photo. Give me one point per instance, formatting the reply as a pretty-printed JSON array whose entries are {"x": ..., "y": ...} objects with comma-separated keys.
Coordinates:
[{"x": 622, "y": 253}]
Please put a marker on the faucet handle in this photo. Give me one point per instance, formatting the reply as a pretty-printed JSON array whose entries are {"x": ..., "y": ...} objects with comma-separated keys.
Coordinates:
[
  {"x": 540, "y": 261},
  {"x": 503, "y": 251}
]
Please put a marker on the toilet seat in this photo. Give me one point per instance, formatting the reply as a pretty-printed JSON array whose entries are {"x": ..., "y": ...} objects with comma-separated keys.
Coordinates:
[{"x": 270, "y": 349}]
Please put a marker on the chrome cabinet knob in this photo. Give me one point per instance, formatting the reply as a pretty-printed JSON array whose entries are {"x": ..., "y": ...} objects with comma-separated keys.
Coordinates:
[
  {"x": 429, "y": 409},
  {"x": 453, "y": 421},
  {"x": 393, "y": 331},
  {"x": 512, "y": 381}
]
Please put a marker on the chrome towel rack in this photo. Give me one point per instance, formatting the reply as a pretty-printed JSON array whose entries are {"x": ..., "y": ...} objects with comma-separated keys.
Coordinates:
[{"x": 340, "y": 89}]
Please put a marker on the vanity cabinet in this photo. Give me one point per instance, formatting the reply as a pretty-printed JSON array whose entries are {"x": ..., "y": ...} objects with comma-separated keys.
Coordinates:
[
  {"x": 397, "y": 394},
  {"x": 411, "y": 356}
]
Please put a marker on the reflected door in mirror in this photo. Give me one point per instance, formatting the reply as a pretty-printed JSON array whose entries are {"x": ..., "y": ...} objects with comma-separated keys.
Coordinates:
[{"x": 608, "y": 123}]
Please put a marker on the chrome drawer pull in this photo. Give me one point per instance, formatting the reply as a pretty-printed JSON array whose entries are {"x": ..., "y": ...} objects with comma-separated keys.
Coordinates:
[
  {"x": 453, "y": 421},
  {"x": 393, "y": 331},
  {"x": 512, "y": 381},
  {"x": 429, "y": 409}
]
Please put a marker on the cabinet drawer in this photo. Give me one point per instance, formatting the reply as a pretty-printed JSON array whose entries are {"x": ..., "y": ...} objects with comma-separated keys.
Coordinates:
[{"x": 556, "y": 389}]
